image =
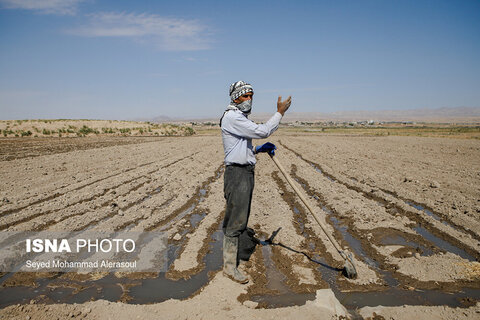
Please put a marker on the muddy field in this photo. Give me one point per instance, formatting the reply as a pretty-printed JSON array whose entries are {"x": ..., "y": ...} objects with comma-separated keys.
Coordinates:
[{"x": 408, "y": 208}]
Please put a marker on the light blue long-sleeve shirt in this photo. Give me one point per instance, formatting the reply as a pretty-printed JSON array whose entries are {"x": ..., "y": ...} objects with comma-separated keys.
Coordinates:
[{"x": 238, "y": 132}]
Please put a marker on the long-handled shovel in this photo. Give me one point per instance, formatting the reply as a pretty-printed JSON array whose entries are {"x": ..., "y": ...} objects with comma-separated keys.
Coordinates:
[{"x": 349, "y": 269}]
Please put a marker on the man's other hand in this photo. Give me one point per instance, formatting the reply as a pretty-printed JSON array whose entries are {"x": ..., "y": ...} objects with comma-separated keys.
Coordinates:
[{"x": 266, "y": 147}]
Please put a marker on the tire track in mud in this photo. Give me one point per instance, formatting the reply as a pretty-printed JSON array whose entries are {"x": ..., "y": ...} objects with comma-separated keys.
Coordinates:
[
  {"x": 92, "y": 198},
  {"x": 394, "y": 207}
]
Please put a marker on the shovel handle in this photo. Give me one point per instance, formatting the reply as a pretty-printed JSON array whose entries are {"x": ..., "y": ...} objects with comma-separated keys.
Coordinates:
[{"x": 305, "y": 202}]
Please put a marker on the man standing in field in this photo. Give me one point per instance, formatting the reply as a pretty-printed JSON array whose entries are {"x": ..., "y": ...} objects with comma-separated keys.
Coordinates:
[{"x": 237, "y": 134}]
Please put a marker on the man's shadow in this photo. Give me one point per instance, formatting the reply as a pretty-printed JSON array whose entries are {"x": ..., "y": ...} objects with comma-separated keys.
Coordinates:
[{"x": 269, "y": 241}]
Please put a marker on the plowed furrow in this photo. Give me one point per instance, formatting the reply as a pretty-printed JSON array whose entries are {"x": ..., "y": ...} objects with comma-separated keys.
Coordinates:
[
  {"x": 58, "y": 194},
  {"x": 83, "y": 202},
  {"x": 396, "y": 203}
]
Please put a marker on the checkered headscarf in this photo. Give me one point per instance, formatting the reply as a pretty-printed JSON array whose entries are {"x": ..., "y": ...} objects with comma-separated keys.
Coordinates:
[{"x": 239, "y": 88}]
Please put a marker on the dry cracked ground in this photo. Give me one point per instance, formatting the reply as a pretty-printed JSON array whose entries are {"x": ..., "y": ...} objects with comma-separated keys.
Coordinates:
[{"x": 407, "y": 208}]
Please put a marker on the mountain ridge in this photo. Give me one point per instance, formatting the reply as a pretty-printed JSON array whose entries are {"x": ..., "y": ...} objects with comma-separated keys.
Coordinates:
[{"x": 443, "y": 114}]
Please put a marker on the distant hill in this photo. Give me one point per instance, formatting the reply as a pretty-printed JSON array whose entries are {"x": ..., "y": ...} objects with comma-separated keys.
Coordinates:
[
  {"x": 159, "y": 119},
  {"x": 438, "y": 115}
]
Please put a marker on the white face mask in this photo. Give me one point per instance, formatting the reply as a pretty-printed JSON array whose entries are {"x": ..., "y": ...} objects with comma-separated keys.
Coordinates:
[{"x": 245, "y": 106}]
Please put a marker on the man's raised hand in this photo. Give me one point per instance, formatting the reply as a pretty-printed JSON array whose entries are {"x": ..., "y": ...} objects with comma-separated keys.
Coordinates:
[{"x": 282, "y": 106}]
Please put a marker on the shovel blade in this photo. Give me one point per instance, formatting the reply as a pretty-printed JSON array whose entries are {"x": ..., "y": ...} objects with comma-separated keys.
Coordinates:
[{"x": 349, "y": 269}]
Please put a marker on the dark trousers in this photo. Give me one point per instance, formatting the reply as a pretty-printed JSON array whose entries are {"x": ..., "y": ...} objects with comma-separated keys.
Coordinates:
[{"x": 238, "y": 189}]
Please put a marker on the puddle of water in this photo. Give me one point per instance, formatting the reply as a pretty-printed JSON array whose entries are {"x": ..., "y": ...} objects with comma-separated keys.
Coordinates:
[
  {"x": 323, "y": 173},
  {"x": 429, "y": 213},
  {"x": 353, "y": 243},
  {"x": 442, "y": 244},
  {"x": 106, "y": 288},
  {"x": 300, "y": 221},
  {"x": 196, "y": 218},
  {"x": 396, "y": 297},
  {"x": 395, "y": 239},
  {"x": 161, "y": 289},
  {"x": 150, "y": 290},
  {"x": 275, "y": 278},
  {"x": 284, "y": 300},
  {"x": 329, "y": 274},
  {"x": 177, "y": 218},
  {"x": 393, "y": 296}
]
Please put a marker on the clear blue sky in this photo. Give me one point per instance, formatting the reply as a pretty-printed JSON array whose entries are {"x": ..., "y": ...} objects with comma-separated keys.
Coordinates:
[{"x": 137, "y": 59}]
